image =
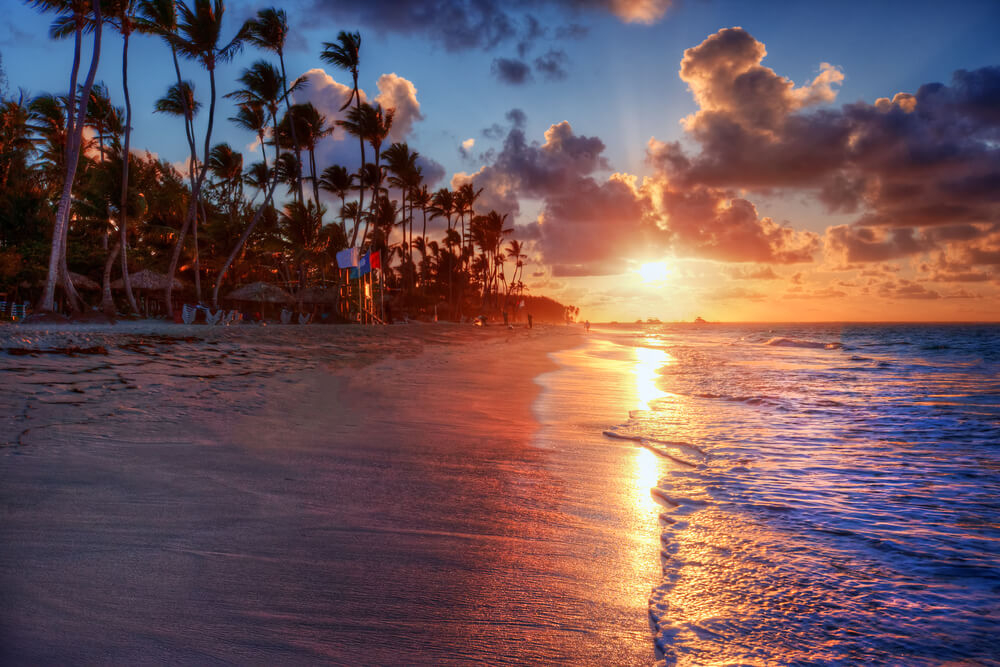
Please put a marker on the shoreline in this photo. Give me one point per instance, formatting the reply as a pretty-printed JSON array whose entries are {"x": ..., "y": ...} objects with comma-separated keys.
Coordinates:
[{"x": 291, "y": 494}]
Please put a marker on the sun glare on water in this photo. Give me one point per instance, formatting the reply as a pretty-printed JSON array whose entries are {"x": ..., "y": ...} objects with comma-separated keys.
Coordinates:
[{"x": 653, "y": 272}]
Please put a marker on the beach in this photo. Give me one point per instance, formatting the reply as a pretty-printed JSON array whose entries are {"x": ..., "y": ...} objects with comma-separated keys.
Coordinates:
[{"x": 336, "y": 494}]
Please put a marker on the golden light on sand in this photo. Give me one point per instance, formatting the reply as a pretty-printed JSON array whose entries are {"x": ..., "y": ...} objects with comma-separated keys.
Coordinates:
[{"x": 653, "y": 272}]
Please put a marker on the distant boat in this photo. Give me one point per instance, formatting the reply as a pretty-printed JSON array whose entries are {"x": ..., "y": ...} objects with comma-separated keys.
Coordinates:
[
  {"x": 699, "y": 320},
  {"x": 653, "y": 320}
]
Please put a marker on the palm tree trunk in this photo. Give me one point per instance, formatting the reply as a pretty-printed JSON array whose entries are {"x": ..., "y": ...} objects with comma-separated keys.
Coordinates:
[
  {"x": 291, "y": 123},
  {"x": 61, "y": 226},
  {"x": 315, "y": 181},
  {"x": 243, "y": 238},
  {"x": 192, "y": 177},
  {"x": 123, "y": 209},
  {"x": 107, "y": 301}
]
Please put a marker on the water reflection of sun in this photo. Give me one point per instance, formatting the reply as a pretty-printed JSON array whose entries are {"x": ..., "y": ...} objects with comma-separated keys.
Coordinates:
[{"x": 647, "y": 465}]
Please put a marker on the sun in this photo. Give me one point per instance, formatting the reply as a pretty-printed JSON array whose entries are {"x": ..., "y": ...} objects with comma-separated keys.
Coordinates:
[{"x": 653, "y": 272}]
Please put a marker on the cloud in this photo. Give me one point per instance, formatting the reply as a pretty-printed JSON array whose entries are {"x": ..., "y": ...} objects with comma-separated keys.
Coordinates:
[
  {"x": 736, "y": 293},
  {"x": 552, "y": 65},
  {"x": 511, "y": 71},
  {"x": 919, "y": 170},
  {"x": 915, "y": 160},
  {"x": 397, "y": 93},
  {"x": 465, "y": 148},
  {"x": 477, "y": 24},
  {"x": 847, "y": 245},
  {"x": 761, "y": 273},
  {"x": 328, "y": 95}
]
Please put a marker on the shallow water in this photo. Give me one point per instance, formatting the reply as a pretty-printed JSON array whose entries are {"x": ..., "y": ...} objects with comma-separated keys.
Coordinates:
[{"x": 831, "y": 494}]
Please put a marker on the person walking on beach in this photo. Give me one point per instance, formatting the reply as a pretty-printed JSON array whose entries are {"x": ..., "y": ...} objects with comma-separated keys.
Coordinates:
[
  {"x": 586, "y": 325},
  {"x": 529, "y": 320}
]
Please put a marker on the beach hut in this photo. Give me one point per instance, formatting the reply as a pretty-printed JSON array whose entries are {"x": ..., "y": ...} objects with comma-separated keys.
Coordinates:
[
  {"x": 322, "y": 302},
  {"x": 261, "y": 294},
  {"x": 148, "y": 284},
  {"x": 82, "y": 282},
  {"x": 147, "y": 280}
]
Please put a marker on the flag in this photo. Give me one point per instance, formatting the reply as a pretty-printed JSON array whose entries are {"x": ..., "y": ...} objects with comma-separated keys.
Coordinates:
[
  {"x": 347, "y": 258},
  {"x": 364, "y": 266},
  {"x": 376, "y": 260}
]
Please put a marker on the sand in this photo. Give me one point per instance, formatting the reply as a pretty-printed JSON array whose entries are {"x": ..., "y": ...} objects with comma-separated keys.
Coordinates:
[{"x": 287, "y": 494}]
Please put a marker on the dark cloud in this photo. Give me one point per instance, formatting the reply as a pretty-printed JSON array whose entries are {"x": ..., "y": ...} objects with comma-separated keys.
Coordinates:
[
  {"x": 913, "y": 161},
  {"x": 516, "y": 117},
  {"x": 552, "y": 65},
  {"x": 850, "y": 244},
  {"x": 432, "y": 170},
  {"x": 511, "y": 71},
  {"x": 458, "y": 25}
]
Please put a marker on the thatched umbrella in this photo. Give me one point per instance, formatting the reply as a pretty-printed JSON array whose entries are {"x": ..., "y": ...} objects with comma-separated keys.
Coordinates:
[
  {"x": 83, "y": 282},
  {"x": 80, "y": 281},
  {"x": 261, "y": 293},
  {"x": 147, "y": 280},
  {"x": 319, "y": 295}
]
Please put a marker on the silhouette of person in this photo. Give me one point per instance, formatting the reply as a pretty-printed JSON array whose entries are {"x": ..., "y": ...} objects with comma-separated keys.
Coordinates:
[
  {"x": 529, "y": 320},
  {"x": 586, "y": 325}
]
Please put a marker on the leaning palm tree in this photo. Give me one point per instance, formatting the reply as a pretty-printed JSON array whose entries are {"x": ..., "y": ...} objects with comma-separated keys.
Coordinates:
[
  {"x": 268, "y": 31},
  {"x": 345, "y": 54},
  {"x": 77, "y": 14},
  {"x": 199, "y": 38},
  {"x": 159, "y": 17}
]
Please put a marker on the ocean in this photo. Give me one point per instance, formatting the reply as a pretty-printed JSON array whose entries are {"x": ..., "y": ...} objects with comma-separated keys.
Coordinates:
[{"x": 826, "y": 494}]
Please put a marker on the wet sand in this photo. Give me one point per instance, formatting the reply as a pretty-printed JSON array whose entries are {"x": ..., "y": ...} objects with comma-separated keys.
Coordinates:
[{"x": 342, "y": 495}]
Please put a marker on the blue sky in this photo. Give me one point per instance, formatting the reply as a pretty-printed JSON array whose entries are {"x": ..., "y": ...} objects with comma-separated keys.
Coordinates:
[{"x": 620, "y": 85}]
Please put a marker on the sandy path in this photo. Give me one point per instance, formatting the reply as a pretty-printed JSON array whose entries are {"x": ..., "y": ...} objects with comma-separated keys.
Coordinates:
[{"x": 261, "y": 497}]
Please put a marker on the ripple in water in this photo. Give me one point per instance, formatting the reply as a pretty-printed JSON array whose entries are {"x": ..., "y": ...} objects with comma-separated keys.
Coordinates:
[{"x": 826, "y": 505}]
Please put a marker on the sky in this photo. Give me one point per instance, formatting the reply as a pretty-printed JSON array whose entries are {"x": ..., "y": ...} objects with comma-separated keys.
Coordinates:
[{"x": 737, "y": 161}]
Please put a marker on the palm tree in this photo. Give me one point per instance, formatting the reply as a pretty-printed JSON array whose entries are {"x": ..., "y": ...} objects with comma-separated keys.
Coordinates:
[
  {"x": 421, "y": 197},
  {"x": 345, "y": 54},
  {"x": 309, "y": 125},
  {"x": 78, "y": 14},
  {"x": 250, "y": 116},
  {"x": 121, "y": 17},
  {"x": 268, "y": 32},
  {"x": 159, "y": 17},
  {"x": 465, "y": 200},
  {"x": 199, "y": 38},
  {"x": 406, "y": 175},
  {"x": 337, "y": 181}
]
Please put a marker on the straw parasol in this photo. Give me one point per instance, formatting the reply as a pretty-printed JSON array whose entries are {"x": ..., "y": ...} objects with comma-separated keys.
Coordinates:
[
  {"x": 262, "y": 293},
  {"x": 319, "y": 295},
  {"x": 147, "y": 280},
  {"x": 80, "y": 281}
]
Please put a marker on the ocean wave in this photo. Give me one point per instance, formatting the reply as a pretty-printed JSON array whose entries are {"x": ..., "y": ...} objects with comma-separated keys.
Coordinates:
[{"x": 795, "y": 342}]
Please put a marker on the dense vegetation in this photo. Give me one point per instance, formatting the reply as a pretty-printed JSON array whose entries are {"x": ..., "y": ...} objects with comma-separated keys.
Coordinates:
[{"x": 77, "y": 200}]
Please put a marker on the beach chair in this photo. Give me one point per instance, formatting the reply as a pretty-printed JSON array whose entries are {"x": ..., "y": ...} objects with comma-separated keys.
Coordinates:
[
  {"x": 305, "y": 318},
  {"x": 213, "y": 319},
  {"x": 286, "y": 316},
  {"x": 3, "y": 310},
  {"x": 18, "y": 311},
  {"x": 189, "y": 314}
]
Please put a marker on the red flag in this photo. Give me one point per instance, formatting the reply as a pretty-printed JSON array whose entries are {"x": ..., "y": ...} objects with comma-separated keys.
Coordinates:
[{"x": 376, "y": 260}]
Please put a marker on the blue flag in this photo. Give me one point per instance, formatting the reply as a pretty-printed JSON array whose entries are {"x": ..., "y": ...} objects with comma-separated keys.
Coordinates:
[
  {"x": 364, "y": 267},
  {"x": 347, "y": 258}
]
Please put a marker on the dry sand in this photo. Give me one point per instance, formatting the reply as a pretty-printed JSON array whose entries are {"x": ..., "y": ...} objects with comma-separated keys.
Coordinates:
[{"x": 287, "y": 494}]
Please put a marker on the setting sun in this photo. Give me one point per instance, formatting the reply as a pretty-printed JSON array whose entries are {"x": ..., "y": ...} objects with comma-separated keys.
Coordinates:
[{"x": 653, "y": 272}]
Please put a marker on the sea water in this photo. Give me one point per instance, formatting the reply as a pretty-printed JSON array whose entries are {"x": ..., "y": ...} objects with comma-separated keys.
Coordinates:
[{"x": 831, "y": 493}]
